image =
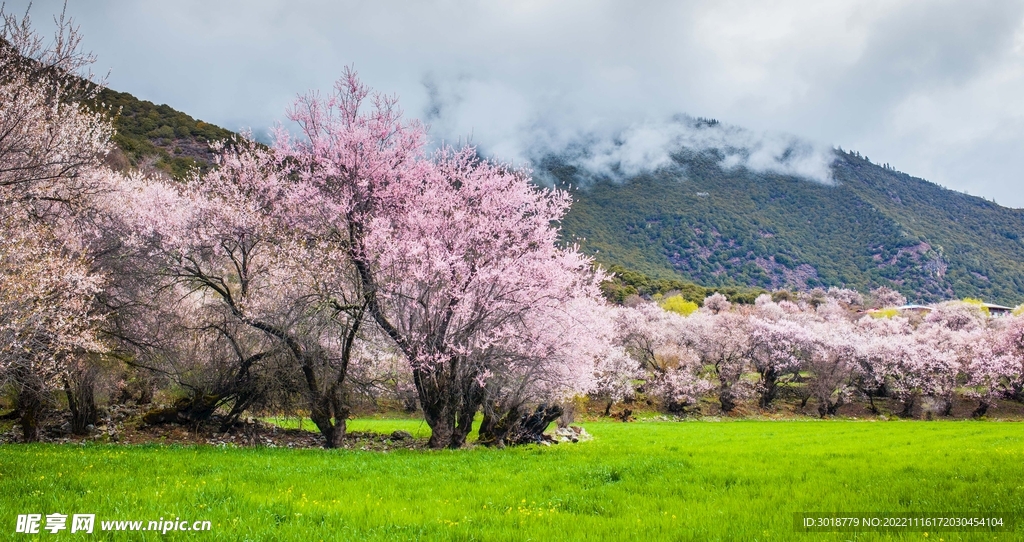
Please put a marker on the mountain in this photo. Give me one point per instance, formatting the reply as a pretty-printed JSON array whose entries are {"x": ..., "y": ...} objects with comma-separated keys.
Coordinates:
[
  {"x": 870, "y": 226},
  {"x": 731, "y": 229},
  {"x": 158, "y": 136}
]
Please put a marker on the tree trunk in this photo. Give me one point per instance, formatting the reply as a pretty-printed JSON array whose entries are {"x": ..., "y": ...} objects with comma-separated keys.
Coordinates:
[
  {"x": 438, "y": 410},
  {"x": 496, "y": 425},
  {"x": 199, "y": 408},
  {"x": 442, "y": 429},
  {"x": 333, "y": 433},
  {"x": 195, "y": 409},
  {"x": 329, "y": 415},
  {"x": 31, "y": 407},
  {"x": 441, "y": 401},
  {"x": 982, "y": 409},
  {"x": 80, "y": 388},
  {"x": 472, "y": 398},
  {"x": 531, "y": 428},
  {"x": 82, "y": 403},
  {"x": 726, "y": 399},
  {"x": 146, "y": 392},
  {"x": 341, "y": 413},
  {"x": 1017, "y": 391},
  {"x": 242, "y": 402},
  {"x": 510, "y": 427},
  {"x": 488, "y": 431},
  {"x": 770, "y": 382},
  {"x": 908, "y": 408},
  {"x": 947, "y": 406},
  {"x": 828, "y": 408},
  {"x": 871, "y": 401}
]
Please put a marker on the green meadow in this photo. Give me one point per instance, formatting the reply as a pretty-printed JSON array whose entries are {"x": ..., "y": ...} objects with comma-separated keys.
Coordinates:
[{"x": 702, "y": 480}]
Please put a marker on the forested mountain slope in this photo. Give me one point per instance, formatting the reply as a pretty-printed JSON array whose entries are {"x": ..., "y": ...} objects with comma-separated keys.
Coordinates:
[
  {"x": 873, "y": 226},
  {"x": 158, "y": 136}
]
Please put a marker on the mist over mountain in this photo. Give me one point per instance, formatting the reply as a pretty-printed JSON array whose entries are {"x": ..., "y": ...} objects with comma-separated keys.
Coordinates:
[{"x": 632, "y": 149}]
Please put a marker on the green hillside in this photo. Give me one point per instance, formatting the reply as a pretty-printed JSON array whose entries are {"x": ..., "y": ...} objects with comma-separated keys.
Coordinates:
[
  {"x": 157, "y": 135},
  {"x": 873, "y": 227}
]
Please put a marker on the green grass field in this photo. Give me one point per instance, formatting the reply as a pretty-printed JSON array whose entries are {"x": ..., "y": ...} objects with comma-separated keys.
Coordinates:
[{"x": 740, "y": 480}]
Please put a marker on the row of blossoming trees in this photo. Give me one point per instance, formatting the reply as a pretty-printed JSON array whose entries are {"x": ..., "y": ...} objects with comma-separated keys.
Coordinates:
[
  {"x": 348, "y": 259},
  {"x": 821, "y": 349}
]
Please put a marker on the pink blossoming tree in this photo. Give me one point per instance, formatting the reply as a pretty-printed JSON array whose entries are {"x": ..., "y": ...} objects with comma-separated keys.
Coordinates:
[{"x": 455, "y": 256}]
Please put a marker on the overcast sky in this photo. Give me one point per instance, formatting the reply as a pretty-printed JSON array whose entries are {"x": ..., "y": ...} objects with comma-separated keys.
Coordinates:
[{"x": 934, "y": 88}]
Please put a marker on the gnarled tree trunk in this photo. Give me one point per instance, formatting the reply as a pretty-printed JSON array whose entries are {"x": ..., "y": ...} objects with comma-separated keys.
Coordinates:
[
  {"x": 329, "y": 415},
  {"x": 726, "y": 398},
  {"x": 439, "y": 400},
  {"x": 511, "y": 426},
  {"x": 983, "y": 405},
  {"x": 30, "y": 404},
  {"x": 82, "y": 404},
  {"x": 80, "y": 390},
  {"x": 770, "y": 387}
]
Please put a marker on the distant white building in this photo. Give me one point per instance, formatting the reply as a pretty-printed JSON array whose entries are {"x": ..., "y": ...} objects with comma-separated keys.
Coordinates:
[
  {"x": 994, "y": 310},
  {"x": 997, "y": 310},
  {"x": 915, "y": 308}
]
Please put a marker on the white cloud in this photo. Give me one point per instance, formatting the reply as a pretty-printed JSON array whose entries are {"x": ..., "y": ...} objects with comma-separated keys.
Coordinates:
[{"x": 934, "y": 88}]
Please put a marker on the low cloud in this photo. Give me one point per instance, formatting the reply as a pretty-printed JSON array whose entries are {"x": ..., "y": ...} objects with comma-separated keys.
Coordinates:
[
  {"x": 525, "y": 132},
  {"x": 649, "y": 146}
]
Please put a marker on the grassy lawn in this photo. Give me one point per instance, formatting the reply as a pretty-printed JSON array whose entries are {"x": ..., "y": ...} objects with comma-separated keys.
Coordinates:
[
  {"x": 415, "y": 427},
  {"x": 740, "y": 480}
]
